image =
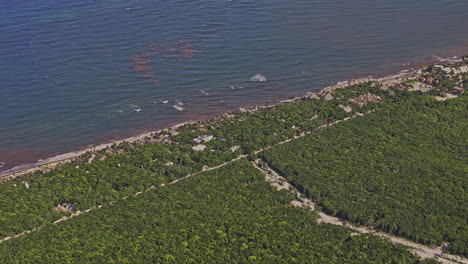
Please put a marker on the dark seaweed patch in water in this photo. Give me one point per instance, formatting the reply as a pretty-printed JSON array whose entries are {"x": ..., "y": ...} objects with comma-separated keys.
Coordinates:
[
  {"x": 186, "y": 49},
  {"x": 173, "y": 49},
  {"x": 142, "y": 64},
  {"x": 164, "y": 51}
]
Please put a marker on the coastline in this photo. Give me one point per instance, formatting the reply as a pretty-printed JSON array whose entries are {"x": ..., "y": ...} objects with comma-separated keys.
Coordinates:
[
  {"x": 285, "y": 136},
  {"x": 50, "y": 163}
]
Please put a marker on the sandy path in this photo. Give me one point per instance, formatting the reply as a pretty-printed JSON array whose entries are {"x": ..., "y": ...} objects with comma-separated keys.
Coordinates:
[
  {"x": 77, "y": 213},
  {"x": 422, "y": 251}
]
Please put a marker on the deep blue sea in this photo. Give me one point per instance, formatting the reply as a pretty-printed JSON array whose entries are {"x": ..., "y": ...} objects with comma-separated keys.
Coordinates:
[{"x": 76, "y": 73}]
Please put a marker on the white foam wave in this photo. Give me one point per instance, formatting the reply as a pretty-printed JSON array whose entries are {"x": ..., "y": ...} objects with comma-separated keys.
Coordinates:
[
  {"x": 450, "y": 60},
  {"x": 258, "y": 78},
  {"x": 203, "y": 92},
  {"x": 439, "y": 58},
  {"x": 161, "y": 101},
  {"x": 179, "y": 108}
]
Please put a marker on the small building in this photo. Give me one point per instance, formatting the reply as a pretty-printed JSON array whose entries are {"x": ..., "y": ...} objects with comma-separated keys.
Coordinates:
[
  {"x": 234, "y": 148},
  {"x": 68, "y": 206},
  {"x": 77, "y": 161},
  {"x": 328, "y": 97},
  {"x": 207, "y": 138},
  {"x": 345, "y": 108},
  {"x": 173, "y": 133},
  {"x": 199, "y": 147},
  {"x": 203, "y": 138}
]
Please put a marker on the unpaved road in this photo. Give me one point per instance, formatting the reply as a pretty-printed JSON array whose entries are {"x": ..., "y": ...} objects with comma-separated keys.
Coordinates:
[{"x": 280, "y": 183}]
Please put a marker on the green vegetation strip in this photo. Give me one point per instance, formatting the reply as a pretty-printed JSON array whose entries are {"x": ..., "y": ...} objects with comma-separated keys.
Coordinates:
[
  {"x": 32, "y": 201},
  {"x": 229, "y": 215},
  {"x": 402, "y": 169}
]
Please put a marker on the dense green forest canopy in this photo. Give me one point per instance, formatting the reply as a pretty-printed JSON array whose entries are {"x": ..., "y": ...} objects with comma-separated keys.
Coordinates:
[
  {"x": 230, "y": 215},
  {"x": 402, "y": 169}
]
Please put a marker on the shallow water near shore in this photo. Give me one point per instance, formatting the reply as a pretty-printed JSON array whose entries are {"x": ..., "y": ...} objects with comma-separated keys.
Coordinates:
[{"x": 73, "y": 74}]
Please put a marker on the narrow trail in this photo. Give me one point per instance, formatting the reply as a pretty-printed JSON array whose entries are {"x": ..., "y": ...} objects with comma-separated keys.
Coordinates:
[
  {"x": 280, "y": 183},
  {"x": 77, "y": 213}
]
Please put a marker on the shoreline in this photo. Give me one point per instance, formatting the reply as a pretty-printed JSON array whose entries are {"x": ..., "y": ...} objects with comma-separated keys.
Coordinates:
[{"x": 49, "y": 163}]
